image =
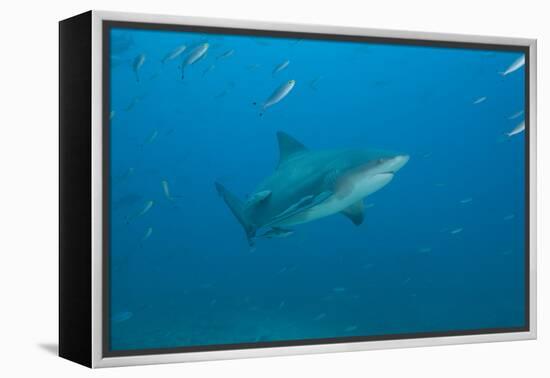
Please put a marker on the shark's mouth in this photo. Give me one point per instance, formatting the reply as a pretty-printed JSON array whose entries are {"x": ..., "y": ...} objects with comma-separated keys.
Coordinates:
[{"x": 359, "y": 186}]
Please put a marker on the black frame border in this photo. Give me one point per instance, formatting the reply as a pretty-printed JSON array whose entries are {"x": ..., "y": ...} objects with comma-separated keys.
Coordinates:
[
  {"x": 107, "y": 25},
  {"x": 75, "y": 189}
]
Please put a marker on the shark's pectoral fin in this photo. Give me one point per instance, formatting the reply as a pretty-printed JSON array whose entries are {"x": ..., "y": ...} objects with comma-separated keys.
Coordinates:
[
  {"x": 302, "y": 205},
  {"x": 259, "y": 197},
  {"x": 281, "y": 229},
  {"x": 277, "y": 232},
  {"x": 355, "y": 212}
]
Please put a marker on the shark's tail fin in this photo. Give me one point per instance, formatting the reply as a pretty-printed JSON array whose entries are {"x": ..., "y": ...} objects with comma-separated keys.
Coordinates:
[{"x": 236, "y": 207}]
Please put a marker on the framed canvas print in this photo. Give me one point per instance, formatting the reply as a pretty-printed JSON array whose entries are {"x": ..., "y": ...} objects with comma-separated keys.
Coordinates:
[{"x": 236, "y": 189}]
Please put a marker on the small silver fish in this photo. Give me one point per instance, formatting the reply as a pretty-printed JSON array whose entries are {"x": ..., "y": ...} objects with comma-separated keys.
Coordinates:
[
  {"x": 147, "y": 234},
  {"x": 509, "y": 217},
  {"x": 320, "y": 316},
  {"x": 152, "y": 137},
  {"x": 518, "y": 129},
  {"x": 120, "y": 317},
  {"x": 313, "y": 83},
  {"x": 146, "y": 208},
  {"x": 516, "y": 115},
  {"x": 208, "y": 69},
  {"x": 350, "y": 328},
  {"x": 252, "y": 67},
  {"x": 516, "y": 65},
  {"x": 456, "y": 231},
  {"x": 138, "y": 63},
  {"x": 194, "y": 56},
  {"x": 226, "y": 54},
  {"x": 112, "y": 114},
  {"x": 466, "y": 200},
  {"x": 166, "y": 190},
  {"x": 132, "y": 103},
  {"x": 278, "y": 95},
  {"x": 480, "y": 100},
  {"x": 280, "y": 67},
  {"x": 174, "y": 53}
]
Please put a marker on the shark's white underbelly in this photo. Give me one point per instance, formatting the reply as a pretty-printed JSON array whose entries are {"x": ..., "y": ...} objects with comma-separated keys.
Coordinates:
[{"x": 354, "y": 189}]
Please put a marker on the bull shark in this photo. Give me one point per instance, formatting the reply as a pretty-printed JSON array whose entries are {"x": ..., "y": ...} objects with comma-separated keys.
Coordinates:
[{"x": 312, "y": 184}]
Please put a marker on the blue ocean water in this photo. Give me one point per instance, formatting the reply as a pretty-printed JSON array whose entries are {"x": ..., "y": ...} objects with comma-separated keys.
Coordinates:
[{"x": 441, "y": 247}]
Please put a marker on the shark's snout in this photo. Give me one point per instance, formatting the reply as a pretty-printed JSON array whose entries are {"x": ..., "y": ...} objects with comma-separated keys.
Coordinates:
[
  {"x": 397, "y": 162},
  {"x": 390, "y": 165}
]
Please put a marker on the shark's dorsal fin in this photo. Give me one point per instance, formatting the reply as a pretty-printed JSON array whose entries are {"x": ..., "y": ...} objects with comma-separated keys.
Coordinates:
[
  {"x": 288, "y": 146},
  {"x": 355, "y": 212}
]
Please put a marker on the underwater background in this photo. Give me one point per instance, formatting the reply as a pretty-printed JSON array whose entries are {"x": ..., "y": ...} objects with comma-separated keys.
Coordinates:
[{"x": 442, "y": 246}]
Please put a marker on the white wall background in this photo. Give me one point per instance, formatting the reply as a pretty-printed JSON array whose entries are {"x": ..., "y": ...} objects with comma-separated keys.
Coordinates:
[{"x": 28, "y": 201}]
